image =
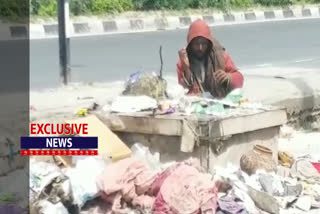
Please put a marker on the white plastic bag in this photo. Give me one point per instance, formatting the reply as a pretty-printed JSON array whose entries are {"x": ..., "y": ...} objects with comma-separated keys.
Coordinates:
[
  {"x": 83, "y": 178},
  {"x": 143, "y": 153}
]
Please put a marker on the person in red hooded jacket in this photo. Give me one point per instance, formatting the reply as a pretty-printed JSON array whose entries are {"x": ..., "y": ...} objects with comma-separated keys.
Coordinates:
[{"x": 205, "y": 66}]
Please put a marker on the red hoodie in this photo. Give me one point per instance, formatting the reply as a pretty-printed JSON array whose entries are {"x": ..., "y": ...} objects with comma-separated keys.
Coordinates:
[{"x": 200, "y": 28}]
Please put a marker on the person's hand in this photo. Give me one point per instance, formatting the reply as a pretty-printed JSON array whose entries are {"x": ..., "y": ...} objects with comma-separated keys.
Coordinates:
[
  {"x": 184, "y": 58},
  {"x": 222, "y": 77}
]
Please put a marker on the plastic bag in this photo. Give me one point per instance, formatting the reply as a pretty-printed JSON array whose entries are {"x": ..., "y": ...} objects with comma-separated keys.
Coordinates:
[
  {"x": 83, "y": 178},
  {"x": 234, "y": 96},
  {"x": 41, "y": 174},
  {"x": 176, "y": 91},
  {"x": 143, "y": 153}
]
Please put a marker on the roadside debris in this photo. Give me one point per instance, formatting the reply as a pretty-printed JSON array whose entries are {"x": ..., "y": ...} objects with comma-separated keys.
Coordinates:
[
  {"x": 142, "y": 184},
  {"x": 133, "y": 180},
  {"x": 260, "y": 157},
  {"x": 144, "y": 83},
  {"x": 285, "y": 159}
]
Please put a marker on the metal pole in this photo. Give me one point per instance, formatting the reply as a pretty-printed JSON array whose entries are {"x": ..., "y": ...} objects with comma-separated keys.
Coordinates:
[{"x": 64, "y": 40}]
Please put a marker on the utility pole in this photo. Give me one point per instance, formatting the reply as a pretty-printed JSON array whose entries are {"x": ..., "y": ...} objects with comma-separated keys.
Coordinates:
[{"x": 64, "y": 40}]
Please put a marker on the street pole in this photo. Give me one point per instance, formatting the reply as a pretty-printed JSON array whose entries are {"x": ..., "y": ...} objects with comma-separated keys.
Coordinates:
[{"x": 64, "y": 40}]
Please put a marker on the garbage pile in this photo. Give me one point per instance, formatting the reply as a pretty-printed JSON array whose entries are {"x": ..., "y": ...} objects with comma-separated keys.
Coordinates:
[
  {"x": 178, "y": 103},
  {"x": 144, "y": 83},
  {"x": 146, "y": 92},
  {"x": 142, "y": 184}
]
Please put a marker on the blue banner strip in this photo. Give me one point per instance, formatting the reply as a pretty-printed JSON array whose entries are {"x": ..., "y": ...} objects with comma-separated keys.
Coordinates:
[{"x": 59, "y": 142}]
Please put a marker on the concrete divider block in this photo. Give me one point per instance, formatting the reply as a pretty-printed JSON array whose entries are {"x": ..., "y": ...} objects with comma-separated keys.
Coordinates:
[
  {"x": 229, "y": 18},
  {"x": 208, "y": 19},
  {"x": 195, "y": 17},
  {"x": 152, "y": 23},
  {"x": 218, "y": 18},
  {"x": 109, "y": 26},
  {"x": 136, "y": 24},
  {"x": 4, "y": 32},
  {"x": 149, "y": 24},
  {"x": 288, "y": 14},
  {"x": 173, "y": 22},
  {"x": 269, "y": 15},
  {"x": 315, "y": 12},
  {"x": 185, "y": 21},
  {"x": 297, "y": 12},
  {"x": 161, "y": 23},
  {"x": 123, "y": 25},
  {"x": 239, "y": 17},
  {"x": 259, "y": 15},
  {"x": 250, "y": 16},
  {"x": 18, "y": 31},
  {"x": 51, "y": 29},
  {"x": 81, "y": 28},
  {"x": 279, "y": 14},
  {"x": 96, "y": 26},
  {"x": 36, "y": 31},
  {"x": 306, "y": 12}
]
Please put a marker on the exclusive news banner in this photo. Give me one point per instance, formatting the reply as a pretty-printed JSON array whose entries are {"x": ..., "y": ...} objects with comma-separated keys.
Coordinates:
[{"x": 59, "y": 139}]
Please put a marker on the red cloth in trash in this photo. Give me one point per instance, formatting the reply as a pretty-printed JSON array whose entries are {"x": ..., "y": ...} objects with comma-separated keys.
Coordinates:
[
  {"x": 128, "y": 180},
  {"x": 156, "y": 186},
  {"x": 186, "y": 190},
  {"x": 316, "y": 166}
]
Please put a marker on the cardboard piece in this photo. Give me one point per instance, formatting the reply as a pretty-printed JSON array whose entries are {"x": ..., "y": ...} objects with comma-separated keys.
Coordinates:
[{"x": 109, "y": 144}]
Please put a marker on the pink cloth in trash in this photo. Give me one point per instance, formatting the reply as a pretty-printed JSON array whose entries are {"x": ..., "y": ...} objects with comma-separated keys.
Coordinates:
[
  {"x": 186, "y": 191},
  {"x": 128, "y": 180}
]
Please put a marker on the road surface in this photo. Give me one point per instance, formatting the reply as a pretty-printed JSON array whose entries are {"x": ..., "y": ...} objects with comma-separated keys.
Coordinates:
[{"x": 114, "y": 57}]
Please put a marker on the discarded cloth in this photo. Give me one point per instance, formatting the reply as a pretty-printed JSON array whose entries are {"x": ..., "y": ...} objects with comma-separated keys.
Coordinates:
[
  {"x": 187, "y": 190},
  {"x": 229, "y": 205},
  {"x": 129, "y": 181},
  {"x": 131, "y": 104}
]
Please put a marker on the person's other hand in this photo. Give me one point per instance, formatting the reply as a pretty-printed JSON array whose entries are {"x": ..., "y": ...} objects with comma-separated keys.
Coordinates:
[
  {"x": 222, "y": 77},
  {"x": 184, "y": 58}
]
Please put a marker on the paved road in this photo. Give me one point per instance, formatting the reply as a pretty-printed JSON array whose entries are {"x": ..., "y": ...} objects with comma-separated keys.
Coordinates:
[{"x": 113, "y": 57}]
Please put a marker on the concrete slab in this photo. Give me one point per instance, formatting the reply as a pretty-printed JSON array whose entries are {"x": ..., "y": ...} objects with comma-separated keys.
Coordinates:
[
  {"x": 211, "y": 154},
  {"x": 207, "y": 127},
  {"x": 221, "y": 141}
]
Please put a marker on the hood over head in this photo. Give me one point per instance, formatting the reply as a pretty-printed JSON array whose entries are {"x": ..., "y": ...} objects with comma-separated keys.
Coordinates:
[{"x": 199, "y": 28}]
